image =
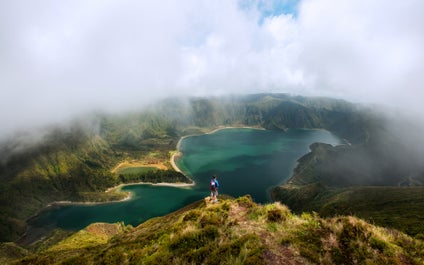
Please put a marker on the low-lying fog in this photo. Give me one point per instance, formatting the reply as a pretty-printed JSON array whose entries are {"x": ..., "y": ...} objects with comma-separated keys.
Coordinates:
[{"x": 61, "y": 59}]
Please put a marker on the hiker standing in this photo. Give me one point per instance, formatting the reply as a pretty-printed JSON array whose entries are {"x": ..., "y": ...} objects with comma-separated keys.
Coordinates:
[{"x": 214, "y": 189}]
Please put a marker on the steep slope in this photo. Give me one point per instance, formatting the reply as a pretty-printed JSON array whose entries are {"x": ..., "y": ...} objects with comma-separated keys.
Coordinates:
[
  {"x": 75, "y": 163},
  {"x": 72, "y": 164},
  {"x": 365, "y": 181},
  {"x": 67, "y": 165},
  {"x": 235, "y": 231}
]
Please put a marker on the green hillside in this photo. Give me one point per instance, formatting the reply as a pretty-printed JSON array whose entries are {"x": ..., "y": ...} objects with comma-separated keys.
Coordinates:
[
  {"x": 67, "y": 165},
  {"x": 393, "y": 207},
  {"x": 234, "y": 231},
  {"x": 357, "y": 180},
  {"x": 72, "y": 164},
  {"x": 75, "y": 162}
]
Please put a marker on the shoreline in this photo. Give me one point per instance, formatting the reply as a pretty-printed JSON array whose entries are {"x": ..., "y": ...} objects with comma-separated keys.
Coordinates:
[
  {"x": 168, "y": 184},
  {"x": 54, "y": 204},
  {"x": 117, "y": 188},
  {"x": 178, "y": 153},
  {"x": 174, "y": 156},
  {"x": 129, "y": 196},
  {"x": 234, "y": 127},
  {"x": 67, "y": 203}
]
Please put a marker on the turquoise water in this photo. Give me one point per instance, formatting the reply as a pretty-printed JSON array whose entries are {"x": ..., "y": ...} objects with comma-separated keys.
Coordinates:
[
  {"x": 246, "y": 161},
  {"x": 147, "y": 201}
]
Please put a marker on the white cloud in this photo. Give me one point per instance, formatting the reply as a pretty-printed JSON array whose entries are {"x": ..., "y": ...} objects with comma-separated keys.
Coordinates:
[
  {"x": 360, "y": 49},
  {"x": 59, "y": 58}
]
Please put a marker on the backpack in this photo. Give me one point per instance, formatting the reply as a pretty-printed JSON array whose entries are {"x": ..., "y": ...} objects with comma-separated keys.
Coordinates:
[{"x": 212, "y": 185}]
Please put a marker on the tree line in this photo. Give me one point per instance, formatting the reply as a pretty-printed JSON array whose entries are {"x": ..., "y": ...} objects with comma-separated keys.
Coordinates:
[{"x": 154, "y": 176}]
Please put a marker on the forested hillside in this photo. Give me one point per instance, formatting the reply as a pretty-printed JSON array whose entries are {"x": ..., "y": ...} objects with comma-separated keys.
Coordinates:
[{"x": 75, "y": 162}]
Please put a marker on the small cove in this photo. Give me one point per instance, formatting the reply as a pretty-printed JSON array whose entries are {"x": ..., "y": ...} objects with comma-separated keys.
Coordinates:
[{"x": 246, "y": 161}]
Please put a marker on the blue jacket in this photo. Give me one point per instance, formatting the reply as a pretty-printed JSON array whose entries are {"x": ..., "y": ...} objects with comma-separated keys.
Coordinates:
[{"x": 214, "y": 187}]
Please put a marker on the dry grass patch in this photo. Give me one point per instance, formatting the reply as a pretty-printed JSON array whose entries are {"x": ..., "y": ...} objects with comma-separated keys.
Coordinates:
[
  {"x": 94, "y": 235},
  {"x": 140, "y": 163},
  {"x": 242, "y": 232}
]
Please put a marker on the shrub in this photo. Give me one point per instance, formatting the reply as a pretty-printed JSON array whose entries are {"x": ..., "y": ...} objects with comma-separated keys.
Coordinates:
[
  {"x": 275, "y": 215},
  {"x": 212, "y": 218},
  {"x": 192, "y": 216},
  {"x": 378, "y": 244},
  {"x": 352, "y": 239},
  {"x": 247, "y": 249},
  {"x": 198, "y": 256},
  {"x": 194, "y": 240},
  {"x": 245, "y": 201},
  {"x": 225, "y": 206},
  {"x": 113, "y": 257}
]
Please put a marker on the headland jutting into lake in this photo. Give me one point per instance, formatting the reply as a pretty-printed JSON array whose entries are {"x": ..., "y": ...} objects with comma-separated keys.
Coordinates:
[{"x": 246, "y": 160}]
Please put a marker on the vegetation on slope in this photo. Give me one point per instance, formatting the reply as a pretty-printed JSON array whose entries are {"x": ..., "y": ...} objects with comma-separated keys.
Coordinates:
[
  {"x": 75, "y": 163},
  {"x": 71, "y": 164},
  {"x": 393, "y": 207},
  {"x": 154, "y": 176},
  {"x": 235, "y": 231},
  {"x": 365, "y": 181},
  {"x": 65, "y": 166}
]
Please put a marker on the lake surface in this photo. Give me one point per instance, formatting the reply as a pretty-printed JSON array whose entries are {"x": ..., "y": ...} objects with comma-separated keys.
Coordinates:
[{"x": 246, "y": 161}]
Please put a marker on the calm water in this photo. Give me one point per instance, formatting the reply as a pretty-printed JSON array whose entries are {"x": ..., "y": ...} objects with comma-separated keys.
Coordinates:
[{"x": 246, "y": 161}]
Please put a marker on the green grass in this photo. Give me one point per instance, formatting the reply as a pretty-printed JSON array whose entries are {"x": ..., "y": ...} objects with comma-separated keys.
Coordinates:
[
  {"x": 74, "y": 163},
  {"x": 393, "y": 207},
  {"x": 224, "y": 233},
  {"x": 11, "y": 251},
  {"x": 93, "y": 235}
]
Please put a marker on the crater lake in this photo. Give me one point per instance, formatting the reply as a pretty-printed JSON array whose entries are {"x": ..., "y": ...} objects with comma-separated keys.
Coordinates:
[{"x": 245, "y": 160}]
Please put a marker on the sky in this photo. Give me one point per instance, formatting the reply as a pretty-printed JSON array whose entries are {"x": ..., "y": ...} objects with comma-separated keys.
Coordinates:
[{"x": 59, "y": 59}]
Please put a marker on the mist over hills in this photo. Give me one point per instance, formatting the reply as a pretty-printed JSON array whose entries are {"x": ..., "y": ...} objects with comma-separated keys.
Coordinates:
[
  {"x": 60, "y": 60},
  {"x": 75, "y": 162}
]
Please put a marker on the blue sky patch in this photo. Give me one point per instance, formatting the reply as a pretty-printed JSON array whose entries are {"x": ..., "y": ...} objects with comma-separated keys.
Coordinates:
[{"x": 270, "y": 8}]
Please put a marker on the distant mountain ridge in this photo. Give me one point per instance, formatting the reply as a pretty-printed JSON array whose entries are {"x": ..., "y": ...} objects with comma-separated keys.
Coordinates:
[{"x": 75, "y": 163}]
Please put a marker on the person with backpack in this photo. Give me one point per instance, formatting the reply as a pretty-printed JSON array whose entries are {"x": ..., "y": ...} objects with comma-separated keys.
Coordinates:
[{"x": 213, "y": 186}]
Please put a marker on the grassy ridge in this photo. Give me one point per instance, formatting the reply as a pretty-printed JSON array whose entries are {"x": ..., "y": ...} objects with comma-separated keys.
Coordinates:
[
  {"x": 395, "y": 207},
  {"x": 235, "y": 231},
  {"x": 367, "y": 180},
  {"x": 75, "y": 163}
]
